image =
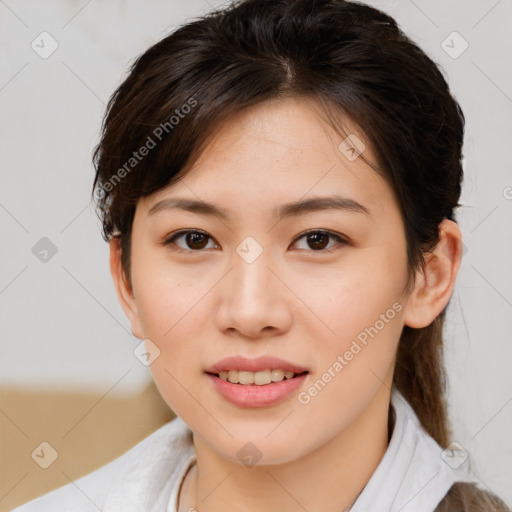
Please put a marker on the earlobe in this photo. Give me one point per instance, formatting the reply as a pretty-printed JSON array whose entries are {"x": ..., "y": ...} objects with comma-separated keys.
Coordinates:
[
  {"x": 436, "y": 280},
  {"x": 124, "y": 291}
]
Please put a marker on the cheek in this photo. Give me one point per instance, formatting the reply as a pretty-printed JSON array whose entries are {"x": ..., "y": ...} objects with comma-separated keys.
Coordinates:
[
  {"x": 169, "y": 307},
  {"x": 157, "y": 306},
  {"x": 168, "y": 298},
  {"x": 362, "y": 309},
  {"x": 344, "y": 301}
]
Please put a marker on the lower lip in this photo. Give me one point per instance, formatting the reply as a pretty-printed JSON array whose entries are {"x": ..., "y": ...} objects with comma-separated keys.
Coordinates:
[{"x": 256, "y": 396}]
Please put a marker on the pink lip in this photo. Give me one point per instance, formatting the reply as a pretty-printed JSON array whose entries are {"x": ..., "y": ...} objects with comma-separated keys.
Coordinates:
[
  {"x": 254, "y": 365},
  {"x": 253, "y": 396}
]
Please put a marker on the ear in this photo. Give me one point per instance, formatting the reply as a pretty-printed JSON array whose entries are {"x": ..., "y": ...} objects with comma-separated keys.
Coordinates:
[
  {"x": 435, "y": 282},
  {"x": 124, "y": 291}
]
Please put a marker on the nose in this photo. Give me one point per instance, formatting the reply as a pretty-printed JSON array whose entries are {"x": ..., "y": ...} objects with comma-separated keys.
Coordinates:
[{"x": 254, "y": 303}]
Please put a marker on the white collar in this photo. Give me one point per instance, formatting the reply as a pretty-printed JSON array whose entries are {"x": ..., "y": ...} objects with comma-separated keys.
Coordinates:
[{"x": 412, "y": 476}]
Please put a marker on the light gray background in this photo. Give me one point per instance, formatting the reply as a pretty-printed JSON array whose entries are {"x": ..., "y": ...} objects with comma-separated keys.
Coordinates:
[{"x": 61, "y": 324}]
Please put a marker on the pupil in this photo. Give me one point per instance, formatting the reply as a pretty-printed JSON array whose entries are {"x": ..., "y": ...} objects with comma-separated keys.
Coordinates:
[{"x": 315, "y": 238}]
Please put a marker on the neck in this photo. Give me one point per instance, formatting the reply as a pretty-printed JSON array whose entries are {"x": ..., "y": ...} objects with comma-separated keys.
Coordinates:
[{"x": 329, "y": 478}]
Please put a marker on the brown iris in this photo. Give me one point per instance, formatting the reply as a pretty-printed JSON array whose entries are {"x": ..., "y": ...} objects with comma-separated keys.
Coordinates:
[
  {"x": 316, "y": 240},
  {"x": 196, "y": 240}
]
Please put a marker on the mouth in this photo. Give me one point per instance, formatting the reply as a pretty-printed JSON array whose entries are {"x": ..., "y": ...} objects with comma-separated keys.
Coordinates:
[
  {"x": 256, "y": 382},
  {"x": 257, "y": 389}
]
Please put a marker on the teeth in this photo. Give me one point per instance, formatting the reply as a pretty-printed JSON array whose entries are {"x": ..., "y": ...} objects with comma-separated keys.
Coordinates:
[
  {"x": 245, "y": 377},
  {"x": 258, "y": 378}
]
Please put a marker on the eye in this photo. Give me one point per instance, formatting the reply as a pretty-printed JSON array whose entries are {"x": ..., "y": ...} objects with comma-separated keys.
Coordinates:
[
  {"x": 319, "y": 239},
  {"x": 194, "y": 239}
]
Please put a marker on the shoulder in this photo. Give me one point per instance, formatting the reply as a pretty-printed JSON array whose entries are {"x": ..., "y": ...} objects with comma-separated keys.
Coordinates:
[{"x": 148, "y": 463}]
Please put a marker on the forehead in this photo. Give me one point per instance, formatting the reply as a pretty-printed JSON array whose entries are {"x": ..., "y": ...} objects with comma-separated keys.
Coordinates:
[{"x": 278, "y": 152}]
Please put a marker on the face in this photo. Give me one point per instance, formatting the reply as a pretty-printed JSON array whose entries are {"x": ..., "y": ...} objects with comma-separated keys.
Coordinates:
[{"x": 318, "y": 288}]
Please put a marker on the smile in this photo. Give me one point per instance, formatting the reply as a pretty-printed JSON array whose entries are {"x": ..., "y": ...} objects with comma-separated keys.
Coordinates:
[{"x": 255, "y": 395}]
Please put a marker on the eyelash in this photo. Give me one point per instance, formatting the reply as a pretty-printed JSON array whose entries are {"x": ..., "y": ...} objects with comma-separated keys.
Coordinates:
[{"x": 170, "y": 240}]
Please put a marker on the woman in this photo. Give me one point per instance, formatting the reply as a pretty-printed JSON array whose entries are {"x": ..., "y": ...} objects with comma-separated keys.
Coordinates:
[{"x": 278, "y": 182}]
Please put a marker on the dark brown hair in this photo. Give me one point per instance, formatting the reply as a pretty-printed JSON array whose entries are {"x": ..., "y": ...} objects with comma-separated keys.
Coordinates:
[{"x": 357, "y": 63}]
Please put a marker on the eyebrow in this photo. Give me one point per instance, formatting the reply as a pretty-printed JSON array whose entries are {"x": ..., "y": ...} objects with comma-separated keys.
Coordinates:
[{"x": 287, "y": 210}]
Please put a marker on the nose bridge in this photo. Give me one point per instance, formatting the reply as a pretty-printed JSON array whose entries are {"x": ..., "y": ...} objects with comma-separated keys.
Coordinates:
[
  {"x": 252, "y": 301},
  {"x": 252, "y": 277}
]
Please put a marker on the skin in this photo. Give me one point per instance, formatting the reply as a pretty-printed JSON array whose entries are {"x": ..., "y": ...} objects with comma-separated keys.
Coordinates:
[{"x": 294, "y": 301}]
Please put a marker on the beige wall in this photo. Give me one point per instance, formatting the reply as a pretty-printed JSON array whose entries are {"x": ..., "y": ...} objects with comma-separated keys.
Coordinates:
[{"x": 87, "y": 431}]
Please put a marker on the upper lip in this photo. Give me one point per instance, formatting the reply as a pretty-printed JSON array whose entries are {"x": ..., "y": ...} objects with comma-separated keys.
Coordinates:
[{"x": 254, "y": 365}]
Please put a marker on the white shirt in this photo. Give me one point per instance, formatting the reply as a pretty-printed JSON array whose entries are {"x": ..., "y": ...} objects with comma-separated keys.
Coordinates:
[{"x": 414, "y": 474}]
